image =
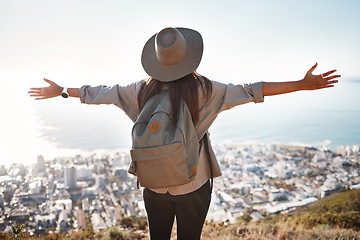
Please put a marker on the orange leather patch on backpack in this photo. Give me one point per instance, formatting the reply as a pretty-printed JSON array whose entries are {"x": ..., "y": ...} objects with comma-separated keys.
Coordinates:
[
  {"x": 154, "y": 127},
  {"x": 194, "y": 169}
]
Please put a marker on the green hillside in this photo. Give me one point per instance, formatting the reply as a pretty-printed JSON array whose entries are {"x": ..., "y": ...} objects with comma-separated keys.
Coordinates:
[
  {"x": 334, "y": 217},
  {"x": 341, "y": 210}
]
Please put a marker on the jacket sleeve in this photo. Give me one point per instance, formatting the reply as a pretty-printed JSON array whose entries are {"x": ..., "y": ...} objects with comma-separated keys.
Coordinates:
[
  {"x": 124, "y": 97},
  {"x": 224, "y": 97},
  {"x": 241, "y": 94}
]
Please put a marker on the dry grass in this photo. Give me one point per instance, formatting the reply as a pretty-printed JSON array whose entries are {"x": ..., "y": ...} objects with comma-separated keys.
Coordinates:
[
  {"x": 275, "y": 231},
  {"x": 264, "y": 230}
]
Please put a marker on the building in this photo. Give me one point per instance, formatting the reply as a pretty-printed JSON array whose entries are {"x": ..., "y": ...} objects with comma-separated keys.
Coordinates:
[
  {"x": 100, "y": 181},
  {"x": 17, "y": 169},
  {"x": 62, "y": 222},
  {"x": 84, "y": 173},
  {"x": 97, "y": 222},
  {"x": 40, "y": 164},
  {"x": 99, "y": 167},
  {"x": 81, "y": 222},
  {"x": 70, "y": 177},
  {"x": 277, "y": 195},
  {"x": 46, "y": 220},
  {"x": 1, "y": 199},
  {"x": 2, "y": 171}
]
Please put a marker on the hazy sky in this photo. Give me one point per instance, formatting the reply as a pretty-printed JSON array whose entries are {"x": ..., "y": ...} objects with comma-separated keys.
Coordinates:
[{"x": 100, "y": 42}]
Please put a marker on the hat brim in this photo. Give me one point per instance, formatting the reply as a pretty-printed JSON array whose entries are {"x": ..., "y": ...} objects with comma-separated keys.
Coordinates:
[{"x": 163, "y": 73}]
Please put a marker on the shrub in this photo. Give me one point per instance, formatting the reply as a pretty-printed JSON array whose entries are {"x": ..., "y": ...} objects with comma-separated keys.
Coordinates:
[
  {"x": 116, "y": 234},
  {"x": 246, "y": 218},
  {"x": 18, "y": 231},
  {"x": 127, "y": 222},
  {"x": 141, "y": 224}
]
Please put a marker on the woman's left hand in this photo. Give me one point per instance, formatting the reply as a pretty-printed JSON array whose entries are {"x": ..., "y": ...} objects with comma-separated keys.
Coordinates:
[{"x": 53, "y": 90}]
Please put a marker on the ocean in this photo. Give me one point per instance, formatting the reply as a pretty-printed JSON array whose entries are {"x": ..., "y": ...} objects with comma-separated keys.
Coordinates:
[{"x": 328, "y": 117}]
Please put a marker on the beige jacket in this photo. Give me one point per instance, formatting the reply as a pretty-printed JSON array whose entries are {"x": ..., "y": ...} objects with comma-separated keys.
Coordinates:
[{"x": 224, "y": 97}]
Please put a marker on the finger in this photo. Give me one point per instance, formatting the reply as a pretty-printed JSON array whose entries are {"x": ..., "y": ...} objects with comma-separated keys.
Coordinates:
[
  {"x": 41, "y": 98},
  {"x": 329, "y": 83},
  {"x": 332, "y": 77},
  {"x": 326, "y": 86},
  {"x": 36, "y": 95},
  {"x": 37, "y": 89},
  {"x": 311, "y": 69},
  {"x": 329, "y": 72},
  {"x": 49, "y": 81}
]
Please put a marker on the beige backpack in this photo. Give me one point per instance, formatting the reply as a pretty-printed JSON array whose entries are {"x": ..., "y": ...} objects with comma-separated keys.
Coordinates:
[{"x": 164, "y": 154}]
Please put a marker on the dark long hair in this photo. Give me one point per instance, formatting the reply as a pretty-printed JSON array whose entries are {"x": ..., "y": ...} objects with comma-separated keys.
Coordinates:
[{"x": 186, "y": 88}]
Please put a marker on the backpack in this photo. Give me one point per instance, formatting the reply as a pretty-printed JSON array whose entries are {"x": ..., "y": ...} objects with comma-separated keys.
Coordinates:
[{"x": 164, "y": 154}]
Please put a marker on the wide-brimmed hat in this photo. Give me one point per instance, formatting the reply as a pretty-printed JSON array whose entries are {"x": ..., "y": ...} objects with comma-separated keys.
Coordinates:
[{"x": 172, "y": 53}]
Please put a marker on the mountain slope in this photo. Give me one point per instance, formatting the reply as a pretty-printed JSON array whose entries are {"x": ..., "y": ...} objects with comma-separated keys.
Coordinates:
[{"x": 341, "y": 210}]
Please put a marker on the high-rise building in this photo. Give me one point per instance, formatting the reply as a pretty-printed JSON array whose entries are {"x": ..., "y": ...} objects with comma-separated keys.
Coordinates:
[
  {"x": 40, "y": 164},
  {"x": 2, "y": 199},
  {"x": 70, "y": 177},
  {"x": 100, "y": 181},
  {"x": 2, "y": 170}
]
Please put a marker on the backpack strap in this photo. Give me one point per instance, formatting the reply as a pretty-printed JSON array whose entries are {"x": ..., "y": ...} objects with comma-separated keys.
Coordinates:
[{"x": 206, "y": 144}]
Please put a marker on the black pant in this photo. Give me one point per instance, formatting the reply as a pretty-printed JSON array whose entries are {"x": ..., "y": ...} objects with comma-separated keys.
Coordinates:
[{"x": 190, "y": 211}]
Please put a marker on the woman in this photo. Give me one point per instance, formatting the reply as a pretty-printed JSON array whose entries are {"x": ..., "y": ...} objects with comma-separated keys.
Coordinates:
[{"x": 171, "y": 58}]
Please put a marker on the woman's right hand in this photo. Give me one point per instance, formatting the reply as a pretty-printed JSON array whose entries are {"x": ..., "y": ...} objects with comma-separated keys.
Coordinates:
[
  {"x": 314, "y": 82},
  {"x": 51, "y": 91}
]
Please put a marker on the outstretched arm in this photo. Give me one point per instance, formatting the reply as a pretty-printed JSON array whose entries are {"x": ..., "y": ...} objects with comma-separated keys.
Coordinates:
[
  {"x": 54, "y": 90},
  {"x": 309, "y": 82}
]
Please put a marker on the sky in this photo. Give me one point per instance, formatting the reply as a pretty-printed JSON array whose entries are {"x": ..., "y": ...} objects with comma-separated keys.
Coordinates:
[{"x": 100, "y": 42}]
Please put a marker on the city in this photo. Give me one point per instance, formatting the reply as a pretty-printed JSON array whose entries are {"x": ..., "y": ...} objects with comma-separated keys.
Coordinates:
[{"x": 69, "y": 194}]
